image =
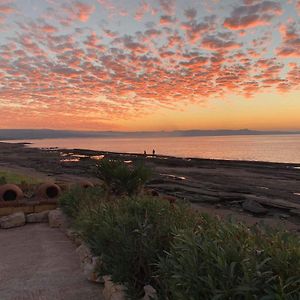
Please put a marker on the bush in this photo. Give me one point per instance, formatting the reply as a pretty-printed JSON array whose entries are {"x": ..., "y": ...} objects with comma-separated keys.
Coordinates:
[
  {"x": 78, "y": 198},
  {"x": 182, "y": 254},
  {"x": 223, "y": 260},
  {"x": 2, "y": 180},
  {"x": 120, "y": 179},
  {"x": 131, "y": 234}
]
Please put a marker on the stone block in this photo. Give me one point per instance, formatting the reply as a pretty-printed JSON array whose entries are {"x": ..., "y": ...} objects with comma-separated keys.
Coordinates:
[{"x": 14, "y": 220}]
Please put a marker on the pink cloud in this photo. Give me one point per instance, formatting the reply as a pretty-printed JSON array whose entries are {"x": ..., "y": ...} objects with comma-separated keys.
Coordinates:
[
  {"x": 143, "y": 8},
  {"x": 166, "y": 20},
  {"x": 290, "y": 46},
  {"x": 83, "y": 11}
]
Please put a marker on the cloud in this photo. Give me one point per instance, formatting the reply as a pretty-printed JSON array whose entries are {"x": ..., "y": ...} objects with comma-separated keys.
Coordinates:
[
  {"x": 290, "y": 46},
  {"x": 298, "y": 7},
  {"x": 143, "y": 8},
  {"x": 168, "y": 6},
  {"x": 252, "y": 15},
  {"x": 83, "y": 11},
  {"x": 109, "y": 71},
  {"x": 6, "y": 9},
  {"x": 191, "y": 13},
  {"x": 167, "y": 20},
  {"x": 216, "y": 43}
]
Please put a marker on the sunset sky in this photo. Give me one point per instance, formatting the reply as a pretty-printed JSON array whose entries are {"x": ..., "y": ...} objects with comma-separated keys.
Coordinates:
[{"x": 150, "y": 64}]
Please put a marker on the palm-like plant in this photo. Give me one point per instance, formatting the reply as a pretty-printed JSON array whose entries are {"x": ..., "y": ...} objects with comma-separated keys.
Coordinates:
[{"x": 120, "y": 179}]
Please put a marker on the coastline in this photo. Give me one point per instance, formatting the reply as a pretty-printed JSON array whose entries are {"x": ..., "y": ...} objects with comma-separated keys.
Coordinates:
[{"x": 218, "y": 187}]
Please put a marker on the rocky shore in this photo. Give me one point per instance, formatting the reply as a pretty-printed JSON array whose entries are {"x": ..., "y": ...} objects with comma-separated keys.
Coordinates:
[{"x": 248, "y": 191}]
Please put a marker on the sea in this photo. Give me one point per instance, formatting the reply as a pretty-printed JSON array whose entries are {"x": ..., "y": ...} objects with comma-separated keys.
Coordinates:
[{"x": 269, "y": 148}]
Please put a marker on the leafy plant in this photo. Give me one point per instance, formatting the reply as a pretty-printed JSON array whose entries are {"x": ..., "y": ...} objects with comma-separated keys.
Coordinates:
[
  {"x": 225, "y": 260},
  {"x": 130, "y": 235},
  {"x": 120, "y": 179},
  {"x": 78, "y": 198},
  {"x": 2, "y": 180}
]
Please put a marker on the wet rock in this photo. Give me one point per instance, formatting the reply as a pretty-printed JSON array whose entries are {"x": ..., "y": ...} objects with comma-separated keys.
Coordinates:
[
  {"x": 14, "y": 220},
  {"x": 254, "y": 207},
  {"x": 283, "y": 216},
  {"x": 231, "y": 196},
  {"x": 207, "y": 199},
  {"x": 41, "y": 217},
  {"x": 295, "y": 213}
]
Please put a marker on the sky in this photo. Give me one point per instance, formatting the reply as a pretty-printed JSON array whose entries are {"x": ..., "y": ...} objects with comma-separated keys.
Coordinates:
[{"x": 150, "y": 65}]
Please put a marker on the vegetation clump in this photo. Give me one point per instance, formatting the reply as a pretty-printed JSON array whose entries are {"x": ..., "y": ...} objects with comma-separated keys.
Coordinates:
[
  {"x": 120, "y": 179},
  {"x": 227, "y": 260},
  {"x": 16, "y": 178},
  {"x": 182, "y": 254}
]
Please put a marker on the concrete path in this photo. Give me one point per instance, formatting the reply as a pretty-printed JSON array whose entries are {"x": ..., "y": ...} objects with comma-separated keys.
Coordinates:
[{"x": 40, "y": 263}]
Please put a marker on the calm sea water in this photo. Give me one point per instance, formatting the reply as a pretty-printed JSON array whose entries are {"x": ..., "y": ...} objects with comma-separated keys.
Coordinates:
[{"x": 272, "y": 148}]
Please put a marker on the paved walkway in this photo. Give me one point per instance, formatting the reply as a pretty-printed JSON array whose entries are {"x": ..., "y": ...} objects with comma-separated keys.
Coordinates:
[{"x": 40, "y": 263}]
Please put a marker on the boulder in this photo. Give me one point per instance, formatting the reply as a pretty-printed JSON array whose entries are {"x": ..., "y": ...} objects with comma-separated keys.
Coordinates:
[
  {"x": 41, "y": 217},
  {"x": 14, "y": 220},
  {"x": 90, "y": 269},
  {"x": 57, "y": 219},
  {"x": 150, "y": 293},
  {"x": 74, "y": 236},
  {"x": 84, "y": 253},
  {"x": 254, "y": 207},
  {"x": 113, "y": 291}
]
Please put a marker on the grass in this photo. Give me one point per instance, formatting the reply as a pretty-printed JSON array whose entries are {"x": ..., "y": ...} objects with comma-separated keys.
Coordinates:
[{"x": 17, "y": 178}]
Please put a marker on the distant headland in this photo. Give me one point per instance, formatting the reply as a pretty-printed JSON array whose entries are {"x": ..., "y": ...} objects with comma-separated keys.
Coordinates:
[{"x": 21, "y": 134}]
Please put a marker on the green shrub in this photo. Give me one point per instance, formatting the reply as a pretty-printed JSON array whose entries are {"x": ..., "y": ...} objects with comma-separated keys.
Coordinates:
[
  {"x": 2, "y": 180},
  {"x": 184, "y": 255},
  {"x": 78, "y": 198},
  {"x": 131, "y": 234},
  {"x": 17, "y": 178},
  {"x": 121, "y": 179},
  {"x": 225, "y": 260}
]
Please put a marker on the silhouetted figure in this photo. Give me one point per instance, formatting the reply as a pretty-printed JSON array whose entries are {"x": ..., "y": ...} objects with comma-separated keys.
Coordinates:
[
  {"x": 145, "y": 153},
  {"x": 153, "y": 152}
]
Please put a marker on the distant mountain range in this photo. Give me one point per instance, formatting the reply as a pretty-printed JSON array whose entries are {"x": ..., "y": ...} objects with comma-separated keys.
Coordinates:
[{"x": 27, "y": 134}]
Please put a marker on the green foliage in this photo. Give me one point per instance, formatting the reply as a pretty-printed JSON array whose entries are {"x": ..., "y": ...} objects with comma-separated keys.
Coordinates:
[
  {"x": 131, "y": 234},
  {"x": 16, "y": 178},
  {"x": 182, "y": 254},
  {"x": 3, "y": 180},
  {"x": 121, "y": 179},
  {"x": 225, "y": 260},
  {"x": 78, "y": 198}
]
